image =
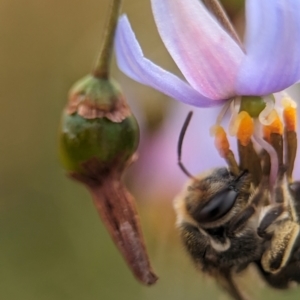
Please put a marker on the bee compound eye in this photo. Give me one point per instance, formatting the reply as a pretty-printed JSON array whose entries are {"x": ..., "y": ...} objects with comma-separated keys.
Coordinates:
[{"x": 217, "y": 206}]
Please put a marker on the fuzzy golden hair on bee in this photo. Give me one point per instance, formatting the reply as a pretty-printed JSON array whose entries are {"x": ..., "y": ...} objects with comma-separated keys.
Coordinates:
[{"x": 202, "y": 198}]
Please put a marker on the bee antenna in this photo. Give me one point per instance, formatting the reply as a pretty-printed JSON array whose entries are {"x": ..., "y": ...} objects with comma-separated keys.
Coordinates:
[{"x": 180, "y": 142}]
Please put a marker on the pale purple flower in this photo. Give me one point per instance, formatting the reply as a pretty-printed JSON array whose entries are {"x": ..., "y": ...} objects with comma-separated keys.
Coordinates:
[
  {"x": 156, "y": 171},
  {"x": 214, "y": 65}
]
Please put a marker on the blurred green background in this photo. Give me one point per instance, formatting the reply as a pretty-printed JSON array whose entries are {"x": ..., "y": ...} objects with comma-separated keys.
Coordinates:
[{"x": 52, "y": 243}]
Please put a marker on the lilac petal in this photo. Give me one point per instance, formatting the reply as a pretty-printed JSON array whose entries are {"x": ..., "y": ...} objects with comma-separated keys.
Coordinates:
[
  {"x": 132, "y": 62},
  {"x": 204, "y": 52},
  {"x": 272, "y": 62}
]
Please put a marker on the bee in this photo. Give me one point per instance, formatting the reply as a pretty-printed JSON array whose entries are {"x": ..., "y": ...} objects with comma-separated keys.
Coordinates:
[{"x": 228, "y": 221}]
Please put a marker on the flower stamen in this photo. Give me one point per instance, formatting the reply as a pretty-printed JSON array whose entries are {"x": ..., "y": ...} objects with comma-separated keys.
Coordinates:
[
  {"x": 245, "y": 128},
  {"x": 222, "y": 145},
  {"x": 249, "y": 160},
  {"x": 235, "y": 108},
  {"x": 289, "y": 113},
  {"x": 274, "y": 166},
  {"x": 273, "y": 134},
  {"x": 259, "y": 123},
  {"x": 275, "y": 126},
  {"x": 290, "y": 122},
  {"x": 221, "y": 141}
]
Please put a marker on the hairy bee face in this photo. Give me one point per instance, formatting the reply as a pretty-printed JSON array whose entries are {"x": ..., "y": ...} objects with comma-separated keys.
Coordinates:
[
  {"x": 215, "y": 197},
  {"x": 210, "y": 216}
]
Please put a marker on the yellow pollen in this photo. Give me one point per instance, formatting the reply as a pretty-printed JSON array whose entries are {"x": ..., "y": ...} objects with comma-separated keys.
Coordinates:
[
  {"x": 289, "y": 114},
  {"x": 275, "y": 127},
  {"x": 290, "y": 118},
  {"x": 245, "y": 127},
  {"x": 221, "y": 141},
  {"x": 288, "y": 102}
]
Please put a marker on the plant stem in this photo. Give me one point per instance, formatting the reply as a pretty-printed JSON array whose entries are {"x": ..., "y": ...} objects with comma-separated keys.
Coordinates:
[
  {"x": 216, "y": 8},
  {"x": 102, "y": 66}
]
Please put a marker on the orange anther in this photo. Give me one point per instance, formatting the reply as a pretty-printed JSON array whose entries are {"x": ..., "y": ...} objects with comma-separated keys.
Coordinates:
[
  {"x": 275, "y": 127},
  {"x": 290, "y": 118},
  {"x": 221, "y": 141},
  {"x": 267, "y": 133},
  {"x": 245, "y": 128}
]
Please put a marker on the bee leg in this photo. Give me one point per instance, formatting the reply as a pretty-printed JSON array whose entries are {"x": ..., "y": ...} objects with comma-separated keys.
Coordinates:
[
  {"x": 237, "y": 223},
  {"x": 195, "y": 241},
  {"x": 280, "y": 250},
  {"x": 197, "y": 244},
  {"x": 226, "y": 281},
  {"x": 294, "y": 189},
  {"x": 284, "y": 279},
  {"x": 242, "y": 218},
  {"x": 289, "y": 274},
  {"x": 270, "y": 215}
]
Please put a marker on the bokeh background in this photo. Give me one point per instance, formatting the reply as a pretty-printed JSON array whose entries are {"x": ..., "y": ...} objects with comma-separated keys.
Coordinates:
[{"x": 52, "y": 244}]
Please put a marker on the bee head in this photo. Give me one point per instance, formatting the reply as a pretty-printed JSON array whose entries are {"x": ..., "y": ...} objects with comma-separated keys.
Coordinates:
[
  {"x": 212, "y": 198},
  {"x": 216, "y": 196}
]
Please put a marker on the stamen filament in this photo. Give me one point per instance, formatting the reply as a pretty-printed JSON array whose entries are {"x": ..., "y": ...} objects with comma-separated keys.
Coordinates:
[
  {"x": 291, "y": 152},
  {"x": 249, "y": 160},
  {"x": 271, "y": 151},
  {"x": 224, "y": 111},
  {"x": 290, "y": 122},
  {"x": 289, "y": 114},
  {"x": 235, "y": 108}
]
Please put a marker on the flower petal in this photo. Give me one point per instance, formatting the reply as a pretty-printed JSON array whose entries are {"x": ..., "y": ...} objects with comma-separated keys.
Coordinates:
[
  {"x": 132, "y": 62},
  {"x": 272, "y": 62},
  {"x": 204, "y": 52}
]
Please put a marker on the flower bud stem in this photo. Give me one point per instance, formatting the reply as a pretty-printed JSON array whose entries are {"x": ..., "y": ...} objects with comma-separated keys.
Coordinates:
[{"x": 102, "y": 66}]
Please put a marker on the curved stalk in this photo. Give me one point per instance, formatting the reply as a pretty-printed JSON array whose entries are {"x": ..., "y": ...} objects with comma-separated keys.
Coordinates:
[{"x": 102, "y": 66}]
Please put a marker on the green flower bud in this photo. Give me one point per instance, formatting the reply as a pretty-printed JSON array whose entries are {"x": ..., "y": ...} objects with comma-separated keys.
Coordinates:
[
  {"x": 97, "y": 123},
  {"x": 98, "y": 139}
]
